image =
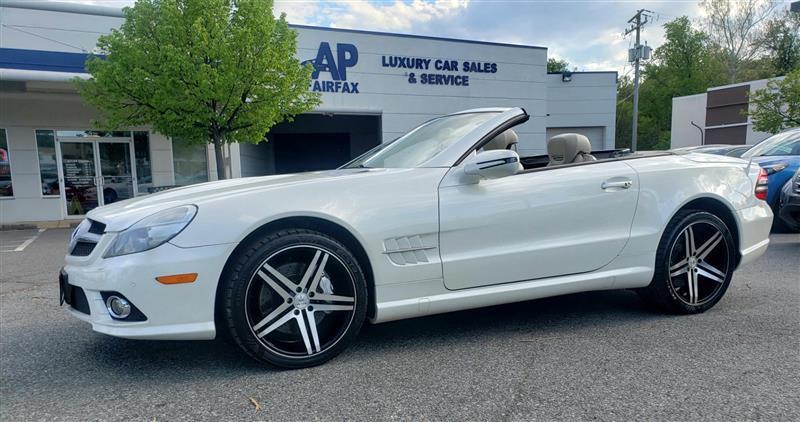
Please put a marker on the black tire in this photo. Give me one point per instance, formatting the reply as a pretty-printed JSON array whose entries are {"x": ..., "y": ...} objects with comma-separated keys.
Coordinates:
[
  {"x": 247, "y": 296},
  {"x": 674, "y": 293}
]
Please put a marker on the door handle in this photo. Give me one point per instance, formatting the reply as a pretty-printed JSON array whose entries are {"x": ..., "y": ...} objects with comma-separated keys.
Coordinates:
[{"x": 619, "y": 184}]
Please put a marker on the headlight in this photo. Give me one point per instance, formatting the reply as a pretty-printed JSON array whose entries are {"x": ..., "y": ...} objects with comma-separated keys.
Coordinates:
[
  {"x": 776, "y": 168},
  {"x": 152, "y": 231},
  {"x": 82, "y": 228}
]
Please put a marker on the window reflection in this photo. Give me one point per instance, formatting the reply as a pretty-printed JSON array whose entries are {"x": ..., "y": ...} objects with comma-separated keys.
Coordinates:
[
  {"x": 6, "y": 189},
  {"x": 191, "y": 162},
  {"x": 48, "y": 167}
]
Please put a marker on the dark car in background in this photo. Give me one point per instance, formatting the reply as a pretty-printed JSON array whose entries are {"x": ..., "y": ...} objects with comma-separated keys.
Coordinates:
[{"x": 789, "y": 203}]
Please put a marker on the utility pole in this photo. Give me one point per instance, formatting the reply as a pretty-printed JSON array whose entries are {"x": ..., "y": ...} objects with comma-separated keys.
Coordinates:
[{"x": 635, "y": 55}]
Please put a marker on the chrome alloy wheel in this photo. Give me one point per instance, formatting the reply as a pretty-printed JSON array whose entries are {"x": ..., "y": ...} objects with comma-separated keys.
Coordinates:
[
  {"x": 699, "y": 263},
  {"x": 300, "y": 301}
]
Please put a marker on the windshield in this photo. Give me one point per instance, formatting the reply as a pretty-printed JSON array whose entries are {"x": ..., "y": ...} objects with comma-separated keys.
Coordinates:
[
  {"x": 423, "y": 143},
  {"x": 787, "y": 143}
]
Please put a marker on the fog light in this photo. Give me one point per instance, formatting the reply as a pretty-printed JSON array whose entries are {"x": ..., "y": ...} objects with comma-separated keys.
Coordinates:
[{"x": 118, "y": 307}]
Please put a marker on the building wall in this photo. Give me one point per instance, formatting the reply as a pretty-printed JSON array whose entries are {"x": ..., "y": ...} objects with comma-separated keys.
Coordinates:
[
  {"x": 53, "y": 31},
  {"x": 696, "y": 108},
  {"x": 687, "y": 109},
  {"x": 519, "y": 79},
  {"x": 21, "y": 114},
  {"x": 588, "y": 100},
  {"x": 754, "y": 137}
]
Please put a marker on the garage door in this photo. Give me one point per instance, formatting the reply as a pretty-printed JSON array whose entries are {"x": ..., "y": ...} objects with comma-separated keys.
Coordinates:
[{"x": 596, "y": 134}]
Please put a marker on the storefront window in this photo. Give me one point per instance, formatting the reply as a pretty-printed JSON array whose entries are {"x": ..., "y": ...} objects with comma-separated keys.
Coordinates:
[
  {"x": 141, "y": 150},
  {"x": 48, "y": 167},
  {"x": 190, "y": 161},
  {"x": 6, "y": 190},
  {"x": 93, "y": 134}
]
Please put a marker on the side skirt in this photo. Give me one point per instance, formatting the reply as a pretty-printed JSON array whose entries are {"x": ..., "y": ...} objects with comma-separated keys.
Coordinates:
[{"x": 450, "y": 301}]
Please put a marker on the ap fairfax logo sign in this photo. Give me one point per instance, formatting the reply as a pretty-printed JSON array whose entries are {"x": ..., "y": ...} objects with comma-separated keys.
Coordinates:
[{"x": 346, "y": 56}]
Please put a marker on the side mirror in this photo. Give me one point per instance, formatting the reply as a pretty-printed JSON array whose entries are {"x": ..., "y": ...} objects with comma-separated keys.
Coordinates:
[{"x": 493, "y": 164}]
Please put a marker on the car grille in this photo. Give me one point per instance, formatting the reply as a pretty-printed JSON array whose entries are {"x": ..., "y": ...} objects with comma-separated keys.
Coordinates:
[
  {"x": 97, "y": 227},
  {"x": 82, "y": 248},
  {"x": 85, "y": 239}
]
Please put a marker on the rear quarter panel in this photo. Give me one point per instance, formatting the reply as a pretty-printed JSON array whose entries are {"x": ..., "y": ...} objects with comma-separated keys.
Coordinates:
[{"x": 667, "y": 183}]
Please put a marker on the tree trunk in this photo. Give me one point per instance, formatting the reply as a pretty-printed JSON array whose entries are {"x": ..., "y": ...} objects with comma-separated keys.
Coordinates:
[{"x": 219, "y": 157}]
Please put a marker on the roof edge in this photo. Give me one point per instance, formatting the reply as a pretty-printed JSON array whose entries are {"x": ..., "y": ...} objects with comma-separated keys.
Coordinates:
[
  {"x": 425, "y": 37},
  {"x": 64, "y": 7}
]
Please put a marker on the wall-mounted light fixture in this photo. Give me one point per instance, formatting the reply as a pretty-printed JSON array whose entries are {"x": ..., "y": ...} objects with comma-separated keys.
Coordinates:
[{"x": 566, "y": 76}]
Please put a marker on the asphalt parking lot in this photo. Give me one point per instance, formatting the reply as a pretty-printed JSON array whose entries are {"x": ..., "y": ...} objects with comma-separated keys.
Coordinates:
[{"x": 600, "y": 355}]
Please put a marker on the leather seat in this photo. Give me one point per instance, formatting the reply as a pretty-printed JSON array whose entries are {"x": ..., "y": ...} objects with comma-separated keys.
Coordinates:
[
  {"x": 505, "y": 140},
  {"x": 569, "y": 148}
]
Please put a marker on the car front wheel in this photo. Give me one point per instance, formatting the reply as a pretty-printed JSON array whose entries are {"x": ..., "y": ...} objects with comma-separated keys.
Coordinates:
[
  {"x": 294, "y": 298},
  {"x": 694, "y": 264}
]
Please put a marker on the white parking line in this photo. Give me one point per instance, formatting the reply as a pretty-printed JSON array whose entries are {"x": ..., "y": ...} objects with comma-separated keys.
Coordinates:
[{"x": 25, "y": 243}]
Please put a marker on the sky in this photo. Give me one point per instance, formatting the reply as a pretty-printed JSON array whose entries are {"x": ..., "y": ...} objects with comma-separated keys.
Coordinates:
[{"x": 587, "y": 33}]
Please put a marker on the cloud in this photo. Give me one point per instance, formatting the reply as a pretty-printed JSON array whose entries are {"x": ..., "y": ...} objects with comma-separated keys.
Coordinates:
[
  {"x": 393, "y": 16},
  {"x": 303, "y": 12}
]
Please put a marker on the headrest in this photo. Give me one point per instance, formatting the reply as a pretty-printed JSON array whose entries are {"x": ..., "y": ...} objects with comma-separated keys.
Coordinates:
[
  {"x": 504, "y": 140},
  {"x": 562, "y": 149}
]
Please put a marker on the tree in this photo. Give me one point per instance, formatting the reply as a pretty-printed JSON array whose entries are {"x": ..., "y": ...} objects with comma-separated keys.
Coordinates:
[
  {"x": 624, "y": 128},
  {"x": 777, "y": 107},
  {"x": 782, "y": 42},
  {"x": 737, "y": 28},
  {"x": 557, "y": 66},
  {"x": 685, "y": 64},
  {"x": 201, "y": 70}
]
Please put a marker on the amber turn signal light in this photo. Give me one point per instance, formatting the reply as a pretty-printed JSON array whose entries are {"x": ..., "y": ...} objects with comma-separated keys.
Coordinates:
[{"x": 177, "y": 278}]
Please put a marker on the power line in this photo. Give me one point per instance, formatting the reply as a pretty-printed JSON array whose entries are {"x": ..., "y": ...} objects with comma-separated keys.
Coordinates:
[{"x": 45, "y": 38}]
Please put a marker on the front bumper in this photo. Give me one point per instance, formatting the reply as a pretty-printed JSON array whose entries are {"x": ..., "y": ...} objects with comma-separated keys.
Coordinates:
[
  {"x": 174, "y": 312},
  {"x": 790, "y": 210},
  {"x": 755, "y": 224}
]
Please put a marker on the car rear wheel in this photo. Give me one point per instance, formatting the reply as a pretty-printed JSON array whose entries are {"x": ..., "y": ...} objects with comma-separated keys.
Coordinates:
[
  {"x": 694, "y": 264},
  {"x": 294, "y": 298}
]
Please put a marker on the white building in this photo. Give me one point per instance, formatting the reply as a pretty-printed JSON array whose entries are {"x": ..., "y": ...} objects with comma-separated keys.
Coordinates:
[
  {"x": 375, "y": 86},
  {"x": 717, "y": 116}
]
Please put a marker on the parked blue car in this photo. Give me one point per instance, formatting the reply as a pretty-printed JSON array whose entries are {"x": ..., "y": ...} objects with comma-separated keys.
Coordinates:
[{"x": 779, "y": 155}]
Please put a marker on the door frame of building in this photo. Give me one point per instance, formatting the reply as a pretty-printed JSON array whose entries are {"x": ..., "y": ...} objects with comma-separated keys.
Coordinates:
[{"x": 96, "y": 141}]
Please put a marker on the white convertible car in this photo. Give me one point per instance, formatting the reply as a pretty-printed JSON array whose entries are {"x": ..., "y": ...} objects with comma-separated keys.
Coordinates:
[{"x": 445, "y": 218}]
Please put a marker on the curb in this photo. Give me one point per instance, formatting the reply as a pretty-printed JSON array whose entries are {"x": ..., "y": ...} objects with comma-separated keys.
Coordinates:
[{"x": 33, "y": 225}]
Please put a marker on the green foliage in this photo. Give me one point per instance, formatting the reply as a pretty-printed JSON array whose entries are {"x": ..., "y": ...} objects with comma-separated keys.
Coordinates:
[
  {"x": 685, "y": 64},
  {"x": 737, "y": 30},
  {"x": 782, "y": 42},
  {"x": 201, "y": 70},
  {"x": 743, "y": 43},
  {"x": 555, "y": 65},
  {"x": 777, "y": 107},
  {"x": 624, "y": 112}
]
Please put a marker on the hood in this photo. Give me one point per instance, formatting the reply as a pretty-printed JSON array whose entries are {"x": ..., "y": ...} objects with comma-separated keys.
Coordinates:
[{"x": 121, "y": 215}]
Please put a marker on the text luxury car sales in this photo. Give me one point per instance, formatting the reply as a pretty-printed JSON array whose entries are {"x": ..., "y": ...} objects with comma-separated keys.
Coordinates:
[{"x": 419, "y": 63}]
